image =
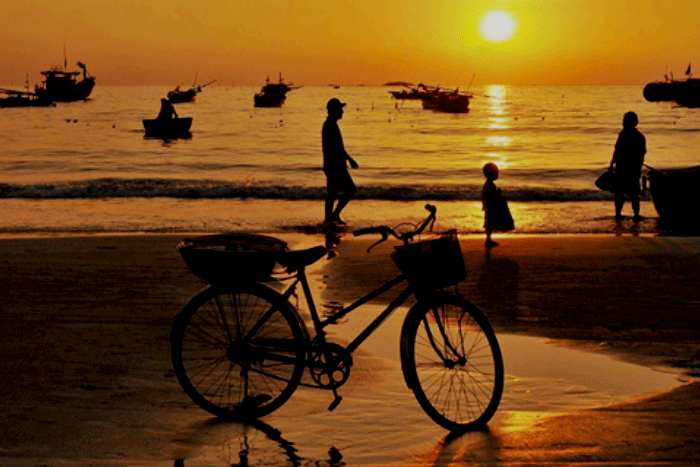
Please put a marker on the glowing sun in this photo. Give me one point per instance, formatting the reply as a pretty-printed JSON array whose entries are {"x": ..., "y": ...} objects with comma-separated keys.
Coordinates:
[{"x": 497, "y": 26}]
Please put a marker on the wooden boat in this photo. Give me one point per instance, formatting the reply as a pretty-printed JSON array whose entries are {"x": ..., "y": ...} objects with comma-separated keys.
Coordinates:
[
  {"x": 170, "y": 128},
  {"x": 415, "y": 93},
  {"x": 273, "y": 94},
  {"x": 60, "y": 85},
  {"x": 14, "y": 98},
  {"x": 685, "y": 92},
  {"x": 447, "y": 101},
  {"x": 178, "y": 96},
  {"x": 666, "y": 91},
  {"x": 675, "y": 194},
  {"x": 689, "y": 95}
]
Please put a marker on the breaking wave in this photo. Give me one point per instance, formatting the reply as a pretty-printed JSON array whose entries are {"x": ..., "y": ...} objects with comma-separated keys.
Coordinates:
[{"x": 211, "y": 189}]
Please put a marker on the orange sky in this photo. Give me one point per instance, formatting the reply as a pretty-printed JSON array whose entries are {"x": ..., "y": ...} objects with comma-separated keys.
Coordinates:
[{"x": 349, "y": 41}]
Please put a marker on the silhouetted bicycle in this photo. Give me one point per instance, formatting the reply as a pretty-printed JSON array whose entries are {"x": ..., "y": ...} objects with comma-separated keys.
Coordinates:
[{"x": 240, "y": 348}]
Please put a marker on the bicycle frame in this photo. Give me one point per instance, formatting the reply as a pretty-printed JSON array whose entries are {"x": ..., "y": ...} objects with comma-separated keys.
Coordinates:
[
  {"x": 319, "y": 326},
  {"x": 240, "y": 347}
]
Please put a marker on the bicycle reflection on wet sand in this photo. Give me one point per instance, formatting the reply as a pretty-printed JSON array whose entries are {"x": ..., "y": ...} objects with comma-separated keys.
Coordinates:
[{"x": 259, "y": 444}]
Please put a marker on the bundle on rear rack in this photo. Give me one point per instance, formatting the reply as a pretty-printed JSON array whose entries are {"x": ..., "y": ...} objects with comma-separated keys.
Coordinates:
[
  {"x": 232, "y": 256},
  {"x": 431, "y": 264}
]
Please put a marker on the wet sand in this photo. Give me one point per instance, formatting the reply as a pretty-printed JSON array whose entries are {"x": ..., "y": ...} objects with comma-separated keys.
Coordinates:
[{"x": 87, "y": 379}]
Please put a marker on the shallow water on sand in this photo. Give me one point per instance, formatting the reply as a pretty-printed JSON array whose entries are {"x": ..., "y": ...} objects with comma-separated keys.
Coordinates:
[
  {"x": 380, "y": 423},
  {"x": 57, "y": 216}
]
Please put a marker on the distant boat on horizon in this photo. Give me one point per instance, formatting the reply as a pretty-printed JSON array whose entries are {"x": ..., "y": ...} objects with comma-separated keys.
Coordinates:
[
  {"x": 419, "y": 91},
  {"x": 178, "y": 96},
  {"x": 447, "y": 101},
  {"x": 273, "y": 94},
  {"x": 14, "y": 98},
  {"x": 60, "y": 85}
]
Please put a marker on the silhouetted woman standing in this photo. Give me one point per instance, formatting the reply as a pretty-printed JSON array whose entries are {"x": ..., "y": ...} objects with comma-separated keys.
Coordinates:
[{"x": 627, "y": 162}]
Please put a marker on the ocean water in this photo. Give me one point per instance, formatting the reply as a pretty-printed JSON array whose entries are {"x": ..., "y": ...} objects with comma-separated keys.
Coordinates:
[{"x": 87, "y": 167}]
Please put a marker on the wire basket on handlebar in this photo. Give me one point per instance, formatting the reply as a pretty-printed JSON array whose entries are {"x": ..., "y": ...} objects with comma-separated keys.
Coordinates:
[{"x": 431, "y": 264}]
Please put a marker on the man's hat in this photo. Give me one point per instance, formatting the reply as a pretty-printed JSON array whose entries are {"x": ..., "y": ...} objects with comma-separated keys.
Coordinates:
[{"x": 334, "y": 104}]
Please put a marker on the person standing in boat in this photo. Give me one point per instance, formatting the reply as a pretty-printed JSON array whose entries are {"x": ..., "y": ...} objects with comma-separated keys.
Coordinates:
[
  {"x": 167, "y": 111},
  {"x": 627, "y": 162},
  {"x": 335, "y": 164}
]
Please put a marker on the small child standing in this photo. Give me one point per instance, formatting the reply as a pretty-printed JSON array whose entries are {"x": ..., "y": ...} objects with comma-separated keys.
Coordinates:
[{"x": 497, "y": 216}]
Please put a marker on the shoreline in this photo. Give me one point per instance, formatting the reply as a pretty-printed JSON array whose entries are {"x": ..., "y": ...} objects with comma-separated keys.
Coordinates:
[
  {"x": 180, "y": 215},
  {"x": 85, "y": 349},
  {"x": 307, "y": 234}
]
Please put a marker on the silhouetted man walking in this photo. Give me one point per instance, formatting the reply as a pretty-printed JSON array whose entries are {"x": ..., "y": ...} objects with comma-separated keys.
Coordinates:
[{"x": 338, "y": 181}]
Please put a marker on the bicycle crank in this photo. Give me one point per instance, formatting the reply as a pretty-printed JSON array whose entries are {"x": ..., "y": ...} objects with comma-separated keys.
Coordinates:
[{"x": 329, "y": 365}]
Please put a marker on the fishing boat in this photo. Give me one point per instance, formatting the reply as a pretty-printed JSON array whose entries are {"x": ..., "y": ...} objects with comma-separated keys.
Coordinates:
[
  {"x": 685, "y": 92},
  {"x": 60, "y": 85},
  {"x": 168, "y": 128},
  {"x": 415, "y": 93},
  {"x": 689, "y": 95},
  {"x": 178, "y": 96},
  {"x": 13, "y": 98},
  {"x": 675, "y": 194},
  {"x": 273, "y": 94},
  {"x": 666, "y": 91},
  {"x": 447, "y": 101}
]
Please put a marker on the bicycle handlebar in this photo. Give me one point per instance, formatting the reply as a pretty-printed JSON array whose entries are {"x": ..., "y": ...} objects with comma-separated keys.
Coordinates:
[{"x": 406, "y": 237}]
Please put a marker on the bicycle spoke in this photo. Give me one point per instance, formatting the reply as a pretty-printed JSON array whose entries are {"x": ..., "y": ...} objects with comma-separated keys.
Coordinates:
[
  {"x": 238, "y": 350},
  {"x": 454, "y": 361}
]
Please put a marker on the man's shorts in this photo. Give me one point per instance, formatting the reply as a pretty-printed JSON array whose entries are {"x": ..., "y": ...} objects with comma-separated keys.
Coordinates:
[{"x": 339, "y": 182}]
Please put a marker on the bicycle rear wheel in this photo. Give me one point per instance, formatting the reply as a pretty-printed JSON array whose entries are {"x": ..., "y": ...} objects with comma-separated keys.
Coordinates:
[
  {"x": 452, "y": 361},
  {"x": 238, "y": 351}
]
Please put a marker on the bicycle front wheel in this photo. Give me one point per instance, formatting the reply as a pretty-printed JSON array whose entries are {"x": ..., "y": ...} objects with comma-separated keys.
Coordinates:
[
  {"x": 452, "y": 361},
  {"x": 238, "y": 351}
]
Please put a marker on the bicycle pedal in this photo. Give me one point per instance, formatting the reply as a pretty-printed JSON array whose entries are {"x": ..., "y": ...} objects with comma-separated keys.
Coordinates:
[{"x": 335, "y": 403}]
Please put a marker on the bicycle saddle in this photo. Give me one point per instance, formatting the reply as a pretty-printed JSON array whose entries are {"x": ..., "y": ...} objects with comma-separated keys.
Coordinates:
[{"x": 298, "y": 259}]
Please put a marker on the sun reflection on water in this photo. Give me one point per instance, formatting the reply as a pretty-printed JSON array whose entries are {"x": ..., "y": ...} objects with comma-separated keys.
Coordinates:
[
  {"x": 497, "y": 95},
  {"x": 499, "y": 141},
  {"x": 498, "y": 122}
]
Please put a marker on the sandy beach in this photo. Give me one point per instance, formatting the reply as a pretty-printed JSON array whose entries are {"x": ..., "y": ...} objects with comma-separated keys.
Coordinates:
[{"x": 87, "y": 378}]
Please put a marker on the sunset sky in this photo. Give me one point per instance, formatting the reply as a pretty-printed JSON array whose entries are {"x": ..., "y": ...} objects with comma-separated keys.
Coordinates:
[{"x": 351, "y": 42}]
